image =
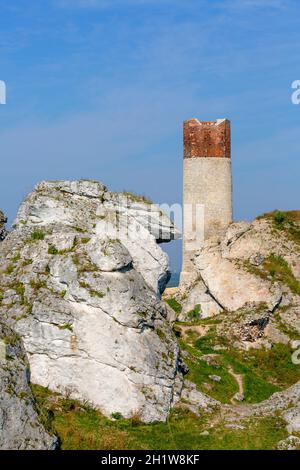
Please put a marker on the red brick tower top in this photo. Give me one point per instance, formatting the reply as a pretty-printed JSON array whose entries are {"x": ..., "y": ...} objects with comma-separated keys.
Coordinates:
[{"x": 206, "y": 139}]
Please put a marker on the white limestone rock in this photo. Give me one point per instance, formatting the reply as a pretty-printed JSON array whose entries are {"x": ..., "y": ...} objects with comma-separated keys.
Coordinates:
[
  {"x": 83, "y": 292},
  {"x": 87, "y": 206},
  {"x": 292, "y": 417},
  {"x": 230, "y": 273},
  {"x": 230, "y": 284},
  {"x": 290, "y": 443},
  {"x": 20, "y": 428},
  {"x": 197, "y": 294}
]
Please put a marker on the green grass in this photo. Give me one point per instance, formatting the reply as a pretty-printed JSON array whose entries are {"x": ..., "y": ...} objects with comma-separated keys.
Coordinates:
[
  {"x": 283, "y": 327},
  {"x": 38, "y": 284},
  {"x": 11, "y": 339},
  {"x": 27, "y": 262},
  {"x": 95, "y": 293},
  {"x": 273, "y": 365},
  {"x": 195, "y": 313},
  {"x": 66, "y": 326},
  {"x": 52, "y": 250},
  {"x": 83, "y": 264},
  {"x": 10, "y": 269},
  {"x": 263, "y": 371},
  {"x": 280, "y": 270},
  {"x": 206, "y": 343},
  {"x": 276, "y": 268},
  {"x": 84, "y": 285},
  {"x": 287, "y": 222},
  {"x": 37, "y": 235},
  {"x": 256, "y": 386},
  {"x": 16, "y": 258},
  {"x": 20, "y": 290},
  {"x": 136, "y": 197},
  {"x": 174, "y": 304},
  {"x": 81, "y": 427},
  {"x": 199, "y": 372}
]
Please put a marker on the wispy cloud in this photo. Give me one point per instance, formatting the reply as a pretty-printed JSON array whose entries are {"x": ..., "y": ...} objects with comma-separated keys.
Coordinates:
[
  {"x": 224, "y": 4},
  {"x": 252, "y": 4},
  {"x": 109, "y": 3}
]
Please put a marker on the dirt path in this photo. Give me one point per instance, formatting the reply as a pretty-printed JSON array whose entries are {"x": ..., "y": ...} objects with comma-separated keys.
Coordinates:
[
  {"x": 239, "y": 380},
  {"x": 202, "y": 330}
]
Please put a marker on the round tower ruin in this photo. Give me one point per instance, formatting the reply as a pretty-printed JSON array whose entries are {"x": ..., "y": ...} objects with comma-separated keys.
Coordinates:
[{"x": 207, "y": 186}]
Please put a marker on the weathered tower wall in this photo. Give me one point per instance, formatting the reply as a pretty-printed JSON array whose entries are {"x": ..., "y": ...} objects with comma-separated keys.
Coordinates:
[{"x": 207, "y": 186}]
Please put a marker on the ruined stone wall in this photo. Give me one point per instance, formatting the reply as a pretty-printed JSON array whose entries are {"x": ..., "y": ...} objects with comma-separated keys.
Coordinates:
[{"x": 207, "y": 186}]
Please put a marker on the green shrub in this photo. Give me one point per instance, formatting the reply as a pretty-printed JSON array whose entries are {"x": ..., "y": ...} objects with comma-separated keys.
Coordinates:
[
  {"x": 195, "y": 313},
  {"x": 38, "y": 284},
  {"x": 20, "y": 289},
  {"x": 95, "y": 293},
  {"x": 27, "y": 262},
  {"x": 279, "y": 218},
  {"x": 37, "y": 235},
  {"x": 52, "y": 250},
  {"x": 16, "y": 258},
  {"x": 9, "y": 269}
]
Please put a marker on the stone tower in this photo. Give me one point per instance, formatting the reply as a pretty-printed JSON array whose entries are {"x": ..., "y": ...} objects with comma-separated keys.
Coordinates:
[{"x": 207, "y": 186}]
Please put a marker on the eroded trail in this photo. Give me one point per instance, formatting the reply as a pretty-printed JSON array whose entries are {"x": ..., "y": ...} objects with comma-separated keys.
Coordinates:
[{"x": 240, "y": 382}]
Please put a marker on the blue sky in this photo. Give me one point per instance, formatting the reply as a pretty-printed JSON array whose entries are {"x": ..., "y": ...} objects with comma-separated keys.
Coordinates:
[{"x": 99, "y": 89}]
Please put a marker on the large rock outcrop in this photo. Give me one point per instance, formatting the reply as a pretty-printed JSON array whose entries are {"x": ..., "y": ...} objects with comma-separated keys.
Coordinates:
[
  {"x": 20, "y": 428},
  {"x": 81, "y": 276},
  {"x": 252, "y": 264}
]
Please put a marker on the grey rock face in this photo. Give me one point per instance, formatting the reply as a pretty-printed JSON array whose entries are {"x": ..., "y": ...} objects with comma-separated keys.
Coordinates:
[
  {"x": 81, "y": 280},
  {"x": 89, "y": 207},
  {"x": 239, "y": 397},
  {"x": 283, "y": 401},
  {"x": 229, "y": 274},
  {"x": 196, "y": 400},
  {"x": 292, "y": 418},
  {"x": 3, "y": 221},
  {"x": 290, "y": 443},
  {"x": 20, "y": 428}
]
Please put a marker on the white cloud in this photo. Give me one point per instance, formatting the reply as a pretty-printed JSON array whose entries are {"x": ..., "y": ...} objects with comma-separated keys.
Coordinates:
[
  {"x": 248, "y": 4},
  {"x": 108, "y": 3},
  {"x": 222, "y": 4}
]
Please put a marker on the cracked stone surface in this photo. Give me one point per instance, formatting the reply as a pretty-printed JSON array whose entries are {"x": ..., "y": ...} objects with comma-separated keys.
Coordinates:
[
  {"x": 81, "y": 276},
  {"x": 20, "y": 428},
  {"x": 229, "y": 272}
]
